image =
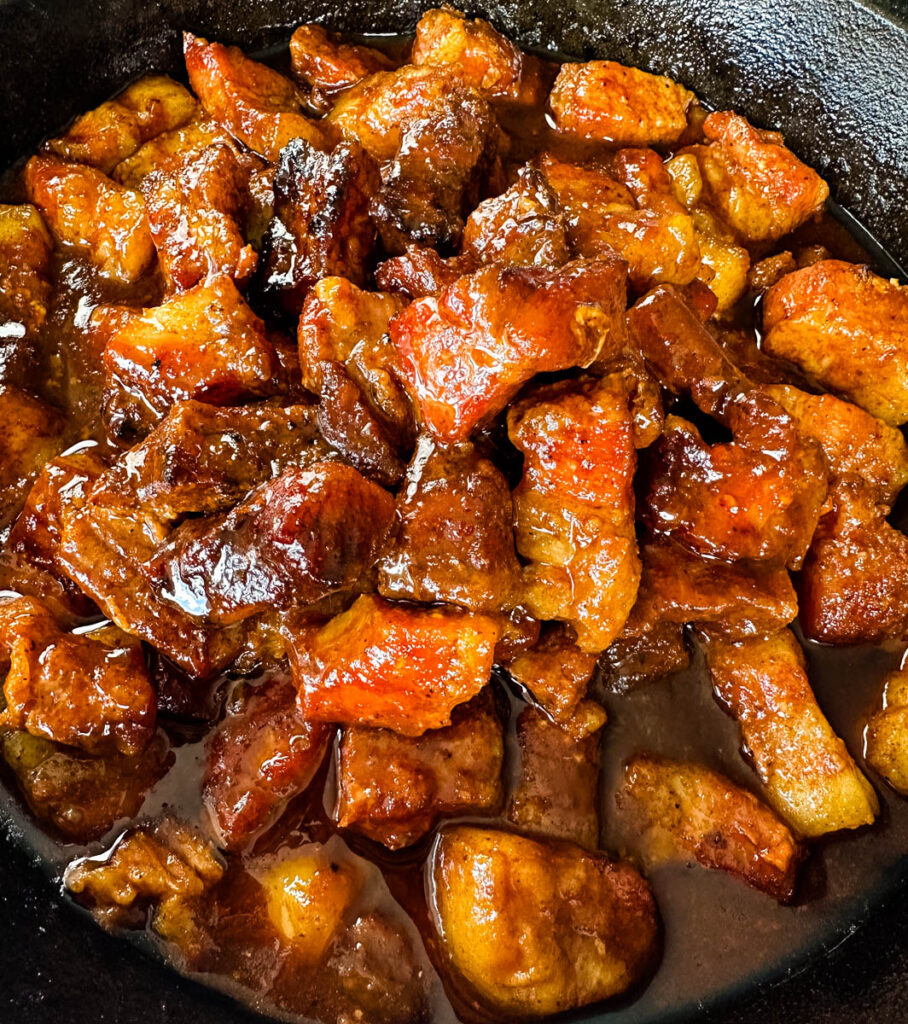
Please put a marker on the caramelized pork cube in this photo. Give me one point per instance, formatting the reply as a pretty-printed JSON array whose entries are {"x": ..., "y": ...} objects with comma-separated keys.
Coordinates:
[
  {"x": 173, "y": 150},
  {"x": 29, "y": 436},
  {"x": 886, "y": 737},
  {"x": 555, "y": 672},
  {"x": 465, "y": 354},
  {"x": 757, "y": 497},
  {"x": 82, "y": 796},
  {"x": 847, "y": 329},
  {"x": 205, "y": 343},
  {"x": 757, "y": 185},
  {"x": 421, "y": 272},
  {"x": 321, "y": 226},
  {"x": 326, "y": 66},
  {"x": 453, "y": 538},
  {"x": 205, "y": 458},
  {"x": 608, "y": 102},
  {"x": 646, "y": 649},
  {"x": 25, "y": 248},
  {"x": 165, "y": 865},
  {"x": 310, "y": 532},
  {"x": 392, "y": 666},
  {"x": 195, "y": 214},
  {"x": 84, "y": 209},
  {"x": 523, "y": 226},
  {"x": 259, "y": 757},
  {"x": 256, "y": 104},
  {"x": 852, "y": 440},
  {"x": 394, "y": 788},
  {"x": 555, "y": 791},
  {"x": 484, "y": 58},
  {"x": 72, "y": 688},
  {"x": 574, "y": 507},
  {"x": 854, "y": 587},
  {"x": 688, "y": 812},
  {"x": 653, "y": 233},
  {"x": 808, "y": 774},
  {"x": 572, "y": 927},
  {"x": 116, "y": 129}
]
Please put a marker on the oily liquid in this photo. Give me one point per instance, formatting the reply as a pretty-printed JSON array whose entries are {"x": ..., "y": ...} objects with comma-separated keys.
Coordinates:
[{"x": 718, "y": 934}]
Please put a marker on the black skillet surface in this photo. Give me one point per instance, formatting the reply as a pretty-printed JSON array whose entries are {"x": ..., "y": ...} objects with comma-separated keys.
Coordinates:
[{"x": 830, "y": 74}]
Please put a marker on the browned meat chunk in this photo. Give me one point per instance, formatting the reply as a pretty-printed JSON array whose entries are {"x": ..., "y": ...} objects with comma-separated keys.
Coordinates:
[
  {"x": 648, "y": 648},
  {"x": 321, "y": 226},
  {"x": 71, "y": 688},
  {"x": 253, "y": 102},
  {"x": 574, "y": 507},
  {"x": 170, "y": 151},
  {"x": 571, "y": 927},
  {"x": 453, "y": 539},
  {"x": 308, "y": 533},
  {"x": 687, "y": 811},
  {"x": 394, "y": 788},
  {"x": 326, "y": 66},
  {"x": 25, "y": 248},
  {"x": 195, "y": 214},
  {"x": 846, "y": 328},
  {"x": 392, "y": 666},
  {"x": 84, "y": 209},
  {"x": 205, "y": 343},
  {"x": 466, "y": 353},
  {"x": 886, "y": 744},
  {"x": 555, "y": 792},
  {"x": 29, "y": 436},
  {"x": 854, "y": 587},
  {"x": 260, "y": 756},
  {"x": 609, "y": 102},
  {"x": 421, "y": 271},
  {"x": 808, "y": 774}
]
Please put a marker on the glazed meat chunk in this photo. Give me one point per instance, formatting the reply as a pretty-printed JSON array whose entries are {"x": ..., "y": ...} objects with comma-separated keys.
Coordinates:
[
  {"x": 392, "y": 666},
  {"x": 523, "y": 226},
  {"x": 82, "y": 795},
  {"x": 205, "y": 343},
  {"x": 326, "y": 66},
  {"x": 195, "y": 214},
  {"x": 574, "y": 507},
  {"x": 758, "y": 497},
  {"x": 73, "y": 688},
  {"x": 483, "y": 58},
  {"x": 808, "y": 774},
  {"x": 29, "y": 435},
  {"x": 308, "y": 533},
  {"x": 87, "y": 211},
  {"x": 847, "y": 329},
  {"x": 420, "y": 271},
  {"x": 539, "y": 927},
  {"x": 854, "y": 587},
  {"x": 852, "y": 440},
  {"x": 453, "y": 537},
  {"x": 25, "y": 288},
  {"x": 259, "y": 757},
  {"x": 173, "y": 150},
  {"x": 205, "y": 458},
  {"x": 646, "y": 227},
  {"x": 555, "y": 791},
  {"x": 886, "y": 744},
  {"x": 608, "y": 102},
  {"x": 687, "y": 811},
  {"x": 253, "y": 102},
  {"x": 394, "y": 788},
  {"x": 646, "y": 649},
  {"x": 321, "y": 225},
  {"x": 760, "y": 188},
  {"x": 465, "y": 354},
  {"x": 116, "y": 129}
]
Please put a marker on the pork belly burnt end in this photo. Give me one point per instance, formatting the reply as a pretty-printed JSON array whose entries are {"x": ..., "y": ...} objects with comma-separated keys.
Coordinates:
[
  {"x": 324, "y": 66},
  {"x": 308, "y": 533},
  {"x": 555, "y": 672},
  {"x": 30, "y": 434},
  {"x": 687, "y": 811},
  {"x": 574, "y": 507},
  {"x": 25, "y": 286},
  {"x": 394, "y": 788},
  {"x": 886, "y": 743},
  {"x": 260, "y": 756},
  {"x": 466, "y": 353},
  {"x": 574, "y": 927},
  {"x": 392, "y": 666}
]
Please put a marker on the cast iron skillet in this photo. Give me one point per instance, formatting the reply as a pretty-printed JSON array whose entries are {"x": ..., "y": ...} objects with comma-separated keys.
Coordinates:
[{"x": 831, "y": 75}]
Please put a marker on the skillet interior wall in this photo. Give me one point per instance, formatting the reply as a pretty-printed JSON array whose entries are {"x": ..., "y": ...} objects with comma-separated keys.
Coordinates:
[{"x": 830, "y": 74}]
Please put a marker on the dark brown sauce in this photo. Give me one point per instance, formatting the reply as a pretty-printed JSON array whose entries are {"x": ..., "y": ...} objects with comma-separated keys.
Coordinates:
[{"x": 718, "y": 933}]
